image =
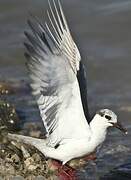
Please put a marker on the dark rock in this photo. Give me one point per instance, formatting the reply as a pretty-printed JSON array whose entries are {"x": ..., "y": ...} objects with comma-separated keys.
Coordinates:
[{"x": 9, "y": 119}]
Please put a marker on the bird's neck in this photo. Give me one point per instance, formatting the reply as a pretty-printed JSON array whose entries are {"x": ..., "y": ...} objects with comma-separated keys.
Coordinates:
[{"x": 98, "y": 131}]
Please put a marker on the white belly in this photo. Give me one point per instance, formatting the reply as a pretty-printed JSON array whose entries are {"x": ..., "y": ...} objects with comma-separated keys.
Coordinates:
[{"x": 74, "y": 149}]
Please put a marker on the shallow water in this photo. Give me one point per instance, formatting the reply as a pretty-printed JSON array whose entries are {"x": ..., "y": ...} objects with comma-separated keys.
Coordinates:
[{"x": 102, "y": 32}]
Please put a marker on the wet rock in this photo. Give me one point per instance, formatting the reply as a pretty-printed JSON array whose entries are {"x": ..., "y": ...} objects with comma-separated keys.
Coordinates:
[
  {"x": 32, "y": 167},
  {"x": 28, "y": 162},
  {"x": 15, "y": 158},
  {"x": 6, "y": 88},
  {"x": 33, "y": 163},
  {"x": 9, "y": 169},
  {"x": 8, "y": 117},
  {"x": 36, "y": 157}
]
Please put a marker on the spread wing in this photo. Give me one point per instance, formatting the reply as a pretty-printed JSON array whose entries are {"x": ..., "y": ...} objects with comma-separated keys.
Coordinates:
[{"x": 53, "y": 63}]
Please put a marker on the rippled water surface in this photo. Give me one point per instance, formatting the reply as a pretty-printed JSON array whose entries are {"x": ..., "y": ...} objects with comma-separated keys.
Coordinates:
[{"x": 102, "y": 30}]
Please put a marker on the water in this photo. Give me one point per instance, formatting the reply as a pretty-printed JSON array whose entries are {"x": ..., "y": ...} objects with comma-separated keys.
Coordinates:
[{"x": 102, "y": 32}]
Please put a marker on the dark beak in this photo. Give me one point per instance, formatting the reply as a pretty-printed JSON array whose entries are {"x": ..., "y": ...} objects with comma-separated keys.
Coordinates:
[{"x": 119, "y": 126}]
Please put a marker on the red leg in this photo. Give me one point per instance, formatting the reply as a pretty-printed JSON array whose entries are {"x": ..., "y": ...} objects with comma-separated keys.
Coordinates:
[
  {"x": 71, "y": 172},
  {"x": 63, "y": 172}
]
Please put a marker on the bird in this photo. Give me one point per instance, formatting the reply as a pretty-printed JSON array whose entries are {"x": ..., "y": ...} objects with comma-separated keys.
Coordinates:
[{"x": 58, "y": 81}]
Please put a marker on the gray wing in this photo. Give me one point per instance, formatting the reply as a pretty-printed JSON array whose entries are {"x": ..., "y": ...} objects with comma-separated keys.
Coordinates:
[{"x": 53, "y": 63}]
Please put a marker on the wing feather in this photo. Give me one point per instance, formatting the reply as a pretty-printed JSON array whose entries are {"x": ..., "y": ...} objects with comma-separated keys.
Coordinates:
[{"x": 53, "y": 63}]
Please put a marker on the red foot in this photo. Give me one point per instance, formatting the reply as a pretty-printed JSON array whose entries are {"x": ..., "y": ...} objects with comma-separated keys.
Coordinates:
[{"x": 64, "y": 172}]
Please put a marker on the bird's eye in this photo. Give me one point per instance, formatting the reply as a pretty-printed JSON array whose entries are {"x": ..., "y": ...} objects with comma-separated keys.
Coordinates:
[
  {"x": 101, "y": 114},
  {"x": 108, "y": 117}
]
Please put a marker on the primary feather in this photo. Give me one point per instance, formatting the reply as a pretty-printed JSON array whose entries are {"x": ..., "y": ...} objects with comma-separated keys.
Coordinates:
[{"x": 54, "y": 63}]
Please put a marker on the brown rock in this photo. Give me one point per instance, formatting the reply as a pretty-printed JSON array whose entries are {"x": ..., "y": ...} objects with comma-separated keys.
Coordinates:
[
  {"x": 28, "y": 162},
  {"x": 36, "y": 157},
  {"x": 32, "y": 167},
  {"x": 15, "y": 158}
]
